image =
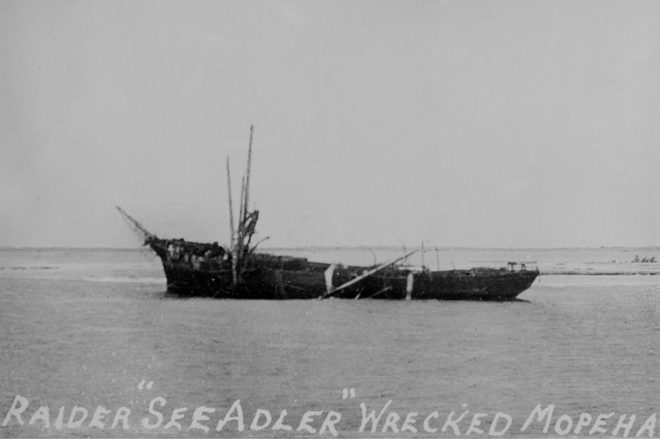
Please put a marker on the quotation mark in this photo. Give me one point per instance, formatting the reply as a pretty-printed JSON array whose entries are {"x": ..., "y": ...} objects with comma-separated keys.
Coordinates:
[
  {"x": 149, "y": 385},
  {"x": 348, "y": 393}
]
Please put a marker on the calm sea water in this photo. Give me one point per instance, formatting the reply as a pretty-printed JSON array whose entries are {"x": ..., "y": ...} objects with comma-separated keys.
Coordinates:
[{"x": 86, "y": 327}]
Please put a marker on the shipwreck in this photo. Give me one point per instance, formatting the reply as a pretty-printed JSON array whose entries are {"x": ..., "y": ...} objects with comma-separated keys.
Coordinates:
[{"x": 239, "y": 271}]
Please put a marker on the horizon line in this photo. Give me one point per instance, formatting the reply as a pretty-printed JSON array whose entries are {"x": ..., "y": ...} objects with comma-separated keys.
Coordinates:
[{"x": 351, "y": 247}]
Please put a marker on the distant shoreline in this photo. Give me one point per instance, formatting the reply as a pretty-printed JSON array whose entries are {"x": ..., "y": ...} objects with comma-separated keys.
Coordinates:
[{"x": 354, "y": 247}]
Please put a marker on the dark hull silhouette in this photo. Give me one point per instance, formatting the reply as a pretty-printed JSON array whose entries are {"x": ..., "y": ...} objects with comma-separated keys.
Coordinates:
[{"x": 273, "y": 277}]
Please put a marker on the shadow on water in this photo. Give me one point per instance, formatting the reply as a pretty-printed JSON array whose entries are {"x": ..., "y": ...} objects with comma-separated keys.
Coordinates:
[{"x": 168, "y": 295}]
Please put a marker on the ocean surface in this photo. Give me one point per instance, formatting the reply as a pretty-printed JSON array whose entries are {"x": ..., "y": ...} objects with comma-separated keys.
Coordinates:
[{"x": 94, "y": 327}]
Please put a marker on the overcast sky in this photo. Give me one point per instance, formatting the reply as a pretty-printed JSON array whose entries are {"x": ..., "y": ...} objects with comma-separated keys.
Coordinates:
[{"x": 463, "y": 123}]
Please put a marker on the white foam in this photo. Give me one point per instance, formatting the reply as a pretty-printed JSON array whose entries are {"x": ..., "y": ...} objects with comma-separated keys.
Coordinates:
[{"x": 126, "y": 280}]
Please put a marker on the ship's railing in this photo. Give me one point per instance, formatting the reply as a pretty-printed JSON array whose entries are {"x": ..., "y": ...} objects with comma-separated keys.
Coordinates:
[{"x": 522, "y": 266}]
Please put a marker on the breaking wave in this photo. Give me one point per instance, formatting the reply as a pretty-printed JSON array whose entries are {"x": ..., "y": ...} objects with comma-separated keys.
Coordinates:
[{"x": 126, "y": 280}]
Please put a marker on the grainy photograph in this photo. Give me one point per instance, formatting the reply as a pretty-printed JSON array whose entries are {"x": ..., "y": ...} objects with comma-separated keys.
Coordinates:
[{"x": 430, "y": 218}]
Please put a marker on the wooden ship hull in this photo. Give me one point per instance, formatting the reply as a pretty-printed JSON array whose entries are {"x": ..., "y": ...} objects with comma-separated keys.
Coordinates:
[
  {"x": 239, "y": 272},
  {"x": 271, "y": 277}
]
